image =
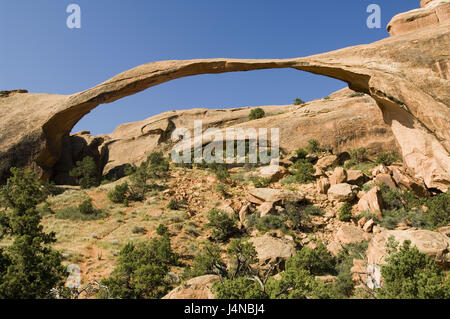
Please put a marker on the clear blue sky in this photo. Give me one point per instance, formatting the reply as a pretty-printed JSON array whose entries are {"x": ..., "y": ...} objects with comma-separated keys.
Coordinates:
[{"x": 39, "y": 53}]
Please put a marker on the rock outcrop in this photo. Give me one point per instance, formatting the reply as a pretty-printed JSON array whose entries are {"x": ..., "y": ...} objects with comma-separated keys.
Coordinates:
[
  {"x": 407, "y": 76},
  {"x": 434, "y": 244},
  {"x": 432, "y": 12},
  {"x": 195, "y": 288}
]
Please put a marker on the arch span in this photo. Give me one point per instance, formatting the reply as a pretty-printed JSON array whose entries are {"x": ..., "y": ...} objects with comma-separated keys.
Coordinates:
[{"x": 400, "y": 73}]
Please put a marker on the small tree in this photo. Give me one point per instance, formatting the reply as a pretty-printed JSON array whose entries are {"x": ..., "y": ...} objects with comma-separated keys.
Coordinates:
[
  {"x": 388, "y": 158},
  {"x": 86, "y": 207},
  {"x": 242, "y": 253},
  {"x": 359, "y": 155},
  {"x": 208, "y": 261},
  {"x": 86, "y": 173},
  {"x": 223, "y": 226},
  {"x": 438, "y": 213},
  {"x": 29, "y": 269},
  {"x": 345, "y": 212},
  {"x": 410, "y": 274},
  {"x": 257, "y": 113},
  {"x": 313, "y": 146},
  {"x": 119, "y": 193},
  {"x": 142, "y": 270},
  {"x": 162, "y": 230},
  {"x": 238, "y": 288},
  {"x": 303, "y": 171},
  {"x": 156, "y": 166},
  {"x": 301, "y": 153},
  {"x": 298, "y": 101},
  {"x": 317, "y": 261}
]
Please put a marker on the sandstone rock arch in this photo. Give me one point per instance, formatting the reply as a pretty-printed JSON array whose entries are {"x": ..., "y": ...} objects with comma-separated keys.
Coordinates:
[{"x": 407, "y": 75}]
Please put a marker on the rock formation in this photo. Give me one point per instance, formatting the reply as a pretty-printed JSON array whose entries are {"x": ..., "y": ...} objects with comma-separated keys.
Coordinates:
[
  {"x": 433, "y": 12},
  {"x": 407, "y": 76}
]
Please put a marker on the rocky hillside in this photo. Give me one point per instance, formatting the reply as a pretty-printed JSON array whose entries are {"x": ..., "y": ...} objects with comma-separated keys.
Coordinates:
[{"x": 345, "y": 202}]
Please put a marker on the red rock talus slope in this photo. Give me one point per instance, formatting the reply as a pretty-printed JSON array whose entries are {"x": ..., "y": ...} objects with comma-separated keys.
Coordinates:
[{"x": 407, "y": 75}]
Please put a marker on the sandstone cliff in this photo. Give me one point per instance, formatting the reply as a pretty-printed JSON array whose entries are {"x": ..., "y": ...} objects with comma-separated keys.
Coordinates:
[{"x": 407, "y": 75}]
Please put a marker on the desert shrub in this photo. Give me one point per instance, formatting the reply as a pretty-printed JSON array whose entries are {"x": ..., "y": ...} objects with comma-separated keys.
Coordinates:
[
  {"x": 359, "y": 154},
  {"x": 270, "y": 222},
  {"x": 222, "y": 190},
  {"x": 260, "y": 182},
  {"x": 290, "y": 179},
  {"x": 391, "y": 218},
  {"x": 313, "y": 146},
  {"x": 223, "y": 226},
  {"x": 221, "y": 172},
  {"x": 297, "y": 283},
  {"x": 257, "y": 113},
  {"x": 142, "y": 270},
  {"x": 350, "y": 163},
  {"x": 388, "y": 158},
  {"x": 365, "y": 167},
  {"x": 303, "y": 171},
  {"x": 368, "y": 186},
  {"x": 162, "y": 230},
  {"x": 345, "y": 212},
  {"x": 173, "y": 205},
  {"x": 86, "y": 207},
  {"x": 85, "y": 211},
  {"x": 44, "y": 210},
  {"x": 238, "y": 288},
  {"x": 192, "y": 230},
  {"x": 317, "y": 261},
  {"x": 438, "y": 213},
  {"x": 296, "y": 216},
  {"x": 299, "y": 216},
  {"x": 23, "y": 190},
  {"x": 410, "y": 274},
  {"x": 155, "y": 166},
  {"x": 119, "y": 193},
  {"x": 241, "y": 254},
  {"x": 344, "y": 286},
  {"x": 86, "y": 173},
  {"x": 252, "y": 219},
  {"x": 395, "y": 199},
  {"x": 298, "y": 101},
  {"x": 138, "y": 230},
  {"x": 301, "y": 153},
  {"x": 311, "y": 210},
  {"x": 207, "y": 262}
]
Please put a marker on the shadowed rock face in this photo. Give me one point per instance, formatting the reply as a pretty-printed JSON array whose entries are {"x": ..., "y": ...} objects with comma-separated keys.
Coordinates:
[{"x": 407, "y": 75}]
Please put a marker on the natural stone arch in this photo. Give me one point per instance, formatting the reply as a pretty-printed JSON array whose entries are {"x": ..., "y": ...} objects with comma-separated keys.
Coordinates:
[{"x": 399, "y": 73}]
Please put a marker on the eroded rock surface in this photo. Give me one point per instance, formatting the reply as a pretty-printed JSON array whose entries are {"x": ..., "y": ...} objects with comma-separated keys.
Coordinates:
[
  {"x": 434, "y": 244},
  {"x": 432, "y": 12},
  {"x": 195, "y": 288}
]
